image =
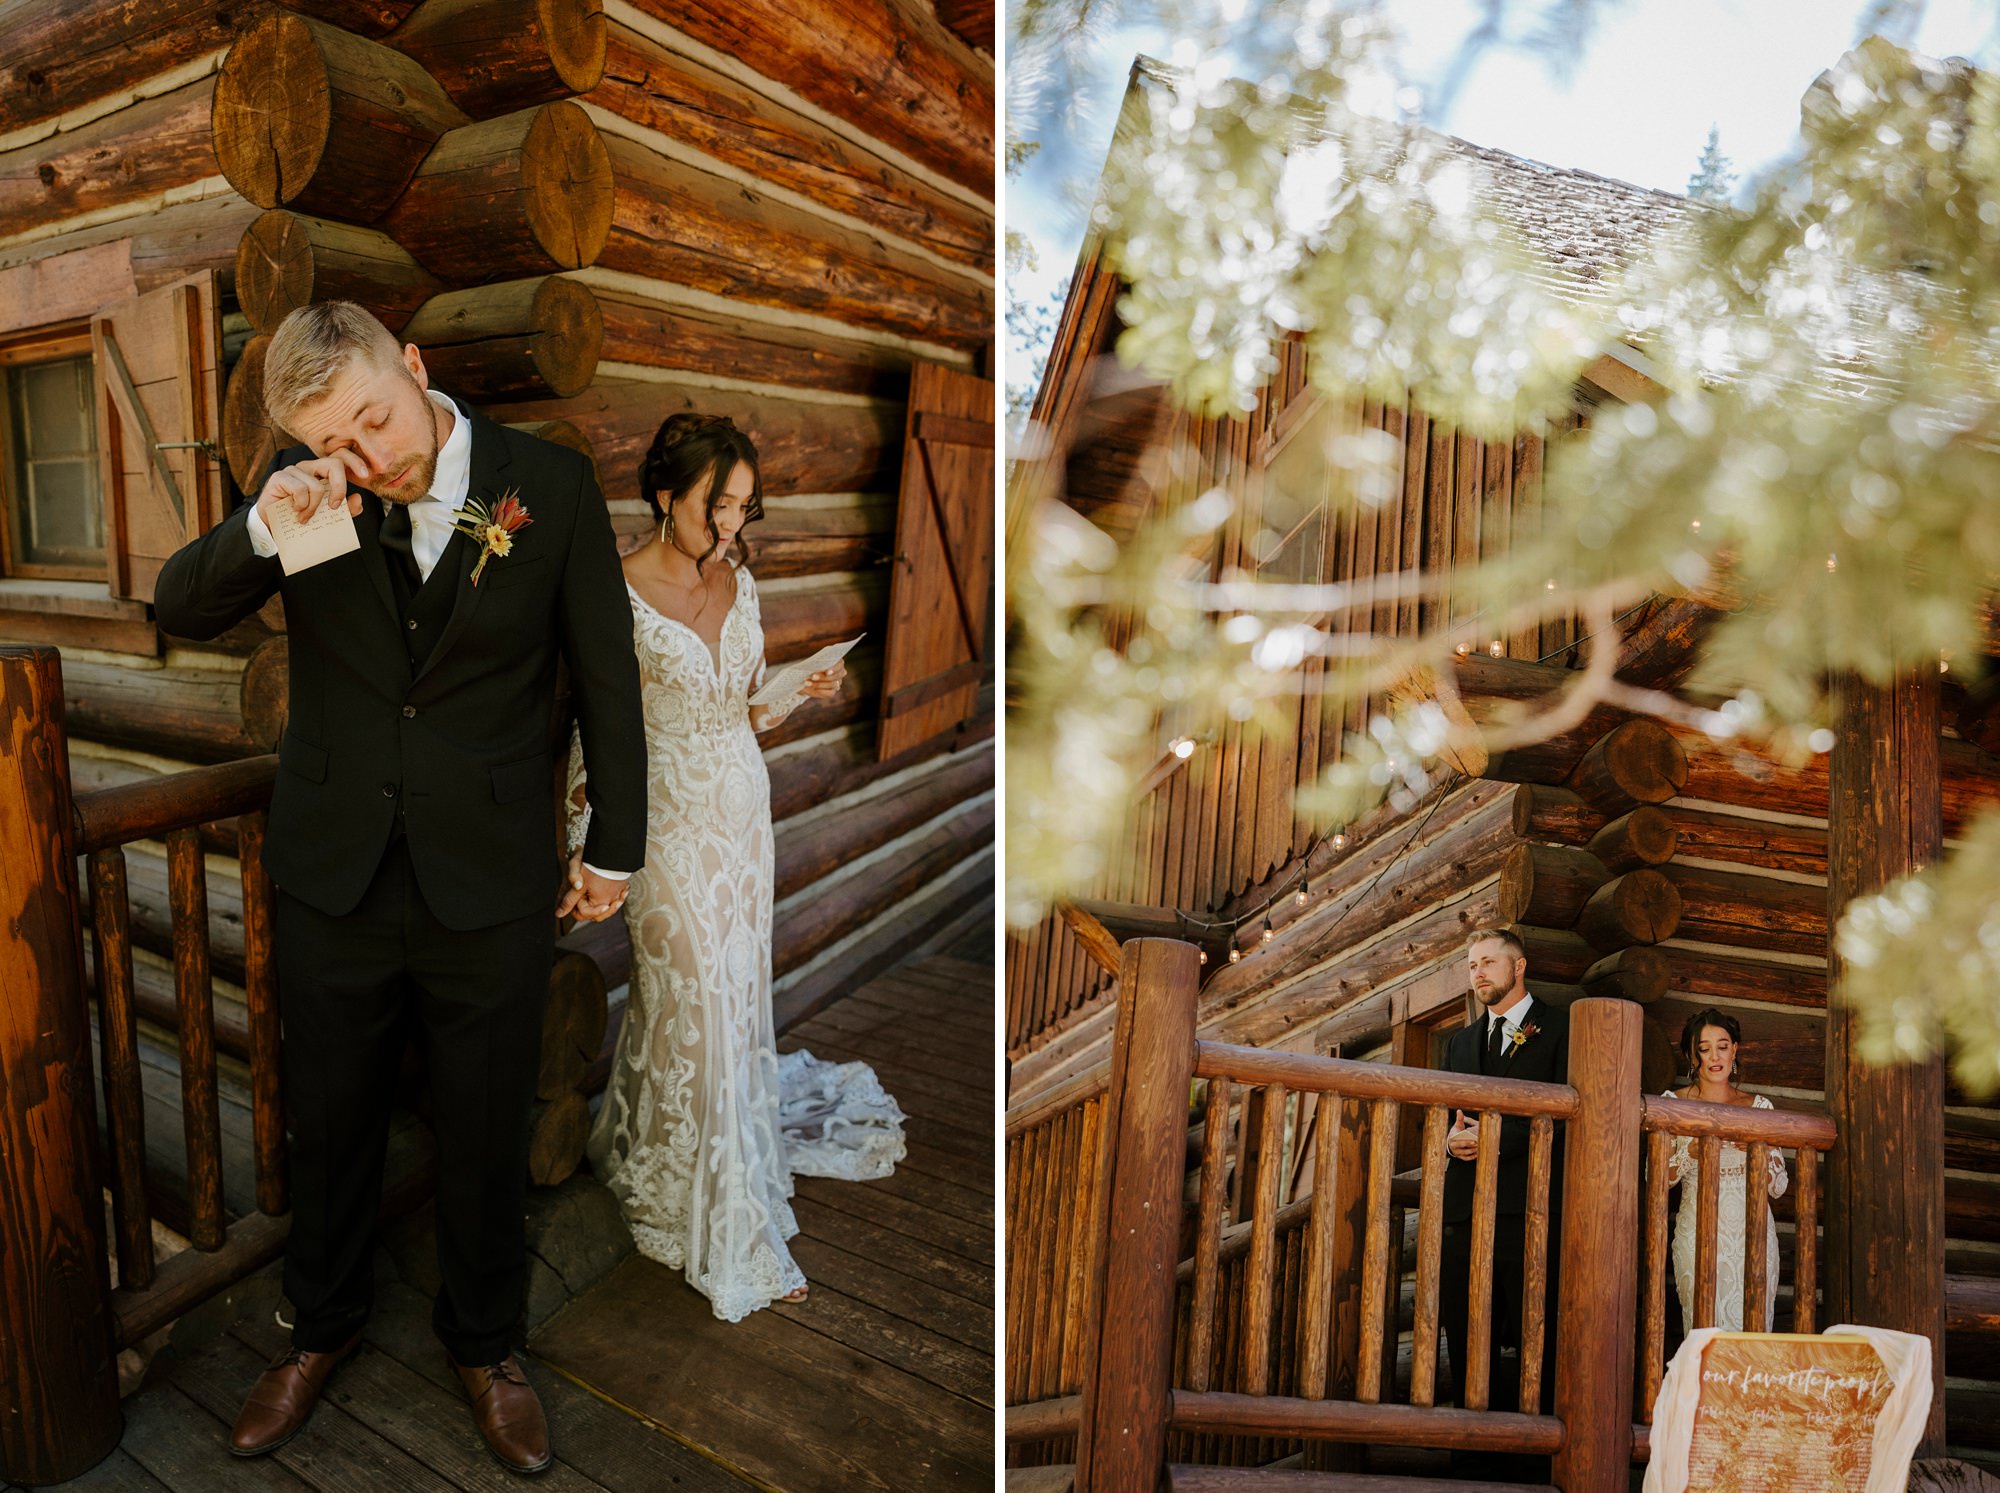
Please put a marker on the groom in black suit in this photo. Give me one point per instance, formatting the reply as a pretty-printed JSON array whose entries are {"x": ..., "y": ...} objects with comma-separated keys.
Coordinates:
[
  {"x": 1515, "y": 1036},
  {"x": 413, "y": 824}
]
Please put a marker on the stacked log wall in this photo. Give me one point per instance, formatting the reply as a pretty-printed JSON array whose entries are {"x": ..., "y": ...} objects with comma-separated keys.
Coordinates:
[{"x": 658, "y": 209}]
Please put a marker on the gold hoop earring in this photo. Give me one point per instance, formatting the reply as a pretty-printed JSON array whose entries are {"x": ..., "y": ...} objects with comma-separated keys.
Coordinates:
[{"x": 664, "y": 521}]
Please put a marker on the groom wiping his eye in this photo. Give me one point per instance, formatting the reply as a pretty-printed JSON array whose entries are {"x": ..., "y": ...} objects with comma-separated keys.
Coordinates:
[{"x": 412, "y": 831}]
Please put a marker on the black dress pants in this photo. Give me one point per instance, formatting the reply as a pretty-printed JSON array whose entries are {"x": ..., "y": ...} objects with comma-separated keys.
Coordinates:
[
  {"x": 1504, "y": 1341},
  {"x": 349, "y": 988}
]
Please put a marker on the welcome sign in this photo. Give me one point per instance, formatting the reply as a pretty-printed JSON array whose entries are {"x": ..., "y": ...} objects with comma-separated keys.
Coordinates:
[
  {"x": 1752, "y": 1412},
  {"x": 1788, "y": 1411}
]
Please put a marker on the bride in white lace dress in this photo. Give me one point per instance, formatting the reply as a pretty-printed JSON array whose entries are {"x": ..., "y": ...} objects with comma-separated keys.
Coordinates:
[
  {"x": 703, "y": 1123},
  {"x": 1709, "y": 1044}
]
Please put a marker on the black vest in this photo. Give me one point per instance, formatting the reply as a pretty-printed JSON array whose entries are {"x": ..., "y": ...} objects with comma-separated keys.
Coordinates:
[{"x": 425, "y": 614}]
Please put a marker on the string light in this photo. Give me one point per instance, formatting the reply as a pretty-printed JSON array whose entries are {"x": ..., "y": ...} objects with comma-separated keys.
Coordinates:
[
  {"x": 1183, "y": 747},
  {"x": 1201, "y": 955},
  {"x": 1340, "y": 842},
  {"x": 1695, "y": 525},
  {"x": 1463, "y": 649},
  {"x": 1269, "y": 931},
  {"x": 1305, "y": 893},
  {"x": 1234, "y": 953},
  {"x": 1829, "y": 564},
  {"x": 1496, "y": 648}
]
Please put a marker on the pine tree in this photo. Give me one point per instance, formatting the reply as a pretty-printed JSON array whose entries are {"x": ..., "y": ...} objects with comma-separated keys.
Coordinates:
[{"x": 1713, "y": 178}]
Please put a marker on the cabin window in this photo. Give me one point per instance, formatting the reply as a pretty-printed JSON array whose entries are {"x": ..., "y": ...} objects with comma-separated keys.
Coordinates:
[{"x": 50, "y": 483}]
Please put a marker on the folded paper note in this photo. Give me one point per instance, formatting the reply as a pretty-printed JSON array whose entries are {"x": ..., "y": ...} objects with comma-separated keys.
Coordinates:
[
  {"x": 782, "y": 685},
  {"x": 308, "y": 542}
]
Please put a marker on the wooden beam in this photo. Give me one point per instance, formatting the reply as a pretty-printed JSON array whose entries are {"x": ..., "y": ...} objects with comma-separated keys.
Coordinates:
[
  {"x": 1626, "y": 375},
  {"x": 1098, "y": 941},
  {"x": 1885, "y": 1199}
]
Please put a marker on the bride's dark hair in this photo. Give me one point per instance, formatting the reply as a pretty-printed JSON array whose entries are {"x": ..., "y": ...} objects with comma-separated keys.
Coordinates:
[
  {"x": 686, "y": 447},
  {"x": 1691, "y": 1038}
]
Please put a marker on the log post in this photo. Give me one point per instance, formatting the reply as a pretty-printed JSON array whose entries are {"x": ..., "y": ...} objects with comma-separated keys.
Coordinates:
[
  {"x": 1547, "y": 885},
  {"x": 1885, "y": 1226},
  {"x": 521, "y": 339},
  {"x": 525, "y": 194},
  {"x": 1600, "y": 1263},
  {"x": 1129, "y": 1338},
  {"x": 1637, "y": 762},
  {"x": 249, "y": 439},
  {"x": 495, "y": 55},
  {"x": 58, "y": 1383},
  {"x": 1639, "y": 907},
  {"x": 287, "y": 260},
  {"x": 310, "y": 117}
]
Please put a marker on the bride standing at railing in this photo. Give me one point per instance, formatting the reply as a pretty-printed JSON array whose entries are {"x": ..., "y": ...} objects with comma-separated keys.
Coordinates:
[{"x": 1709, "y": 1045}]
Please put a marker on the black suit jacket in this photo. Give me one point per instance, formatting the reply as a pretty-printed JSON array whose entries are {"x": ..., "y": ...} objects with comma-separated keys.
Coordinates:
[
  {"x": 460, "y": 744},
  {"x": 1544, "y": 1058}
]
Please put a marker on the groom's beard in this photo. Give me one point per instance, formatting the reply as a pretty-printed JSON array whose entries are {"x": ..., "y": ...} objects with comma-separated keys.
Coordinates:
[{"x": 413, "y": 484}]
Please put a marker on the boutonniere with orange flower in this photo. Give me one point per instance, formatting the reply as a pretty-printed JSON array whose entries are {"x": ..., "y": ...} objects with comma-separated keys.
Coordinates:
[
  {"x": 1517, "y": 1036},
  {"x": 493, "y": 527}
]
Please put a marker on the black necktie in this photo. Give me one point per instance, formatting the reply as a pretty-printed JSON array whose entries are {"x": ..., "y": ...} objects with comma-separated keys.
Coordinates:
[
  {"x": 1493, "y": 1030},
  {"x": 395, "y": 541}
]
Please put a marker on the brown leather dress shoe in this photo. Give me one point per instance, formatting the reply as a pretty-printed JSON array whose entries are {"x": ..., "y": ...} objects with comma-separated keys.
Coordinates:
[
  {"x": 283, "y": 1397},
  {"x": 508, "y": 1414}
]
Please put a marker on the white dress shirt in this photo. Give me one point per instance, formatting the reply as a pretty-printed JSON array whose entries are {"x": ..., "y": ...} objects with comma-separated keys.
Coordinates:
[
  {"x": 430, "y": 516},
  {"x": 1516, "y": 1017}
]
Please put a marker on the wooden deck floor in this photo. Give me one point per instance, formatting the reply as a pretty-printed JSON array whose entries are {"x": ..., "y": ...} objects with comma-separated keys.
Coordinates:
[{"x": 883, "y": 1379}]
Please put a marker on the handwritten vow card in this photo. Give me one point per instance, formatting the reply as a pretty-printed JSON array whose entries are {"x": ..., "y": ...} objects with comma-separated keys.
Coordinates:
[
  {"x": 782, "y": 685},
  {"x": 302, "y": 544}
]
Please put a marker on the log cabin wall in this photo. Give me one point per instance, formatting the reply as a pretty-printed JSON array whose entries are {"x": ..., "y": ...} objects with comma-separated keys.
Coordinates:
[
  {"x": 1636, "y": 860},
  {"x": 588, "y": 216}
]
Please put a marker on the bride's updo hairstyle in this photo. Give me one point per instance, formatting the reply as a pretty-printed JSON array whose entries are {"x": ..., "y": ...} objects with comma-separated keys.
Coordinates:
[
  {"x": 1691, "y": 1040},
  {"x": 689, "y": 448}
]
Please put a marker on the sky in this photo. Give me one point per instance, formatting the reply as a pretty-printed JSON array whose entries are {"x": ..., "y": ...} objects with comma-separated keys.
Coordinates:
[{"x": 1637, "y": 106}]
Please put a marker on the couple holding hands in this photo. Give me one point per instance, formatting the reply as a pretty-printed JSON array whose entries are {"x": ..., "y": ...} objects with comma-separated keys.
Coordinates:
[{"x": 413, "y": 841}]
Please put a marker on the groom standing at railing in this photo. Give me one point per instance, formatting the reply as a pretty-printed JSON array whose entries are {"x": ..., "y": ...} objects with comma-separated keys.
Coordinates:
[{"x": 1515, "y": 1036}]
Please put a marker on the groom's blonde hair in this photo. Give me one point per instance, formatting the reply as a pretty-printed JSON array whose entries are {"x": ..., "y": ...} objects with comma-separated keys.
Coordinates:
[{"x": 312, "y": 347}]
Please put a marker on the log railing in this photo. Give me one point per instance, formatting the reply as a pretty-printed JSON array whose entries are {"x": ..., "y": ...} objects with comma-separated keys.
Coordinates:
[
  {"x": 1763, "y": 1133},
  {"x": 172, "y": 808},
  {"x": 1250, "y": 1308},
  {"x": 64, "y": 1323}
]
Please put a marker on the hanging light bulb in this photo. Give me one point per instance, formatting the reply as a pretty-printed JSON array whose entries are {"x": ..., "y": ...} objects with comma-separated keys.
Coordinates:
[
  {"x": 1496, "y": 648},
  {"x": 1340, "y": 842},
  {"x": 1829, "y": 564},
  {"x": 1304, "y": 893},
  {"x": 1234, "y": 953},
  {"x": 1201, "y": 955},
  {"x": 1695, "y": 525},
  {"x": 1463, "y": 649},
  {"x": 1183, "y": 747},
  {"x": 1269, "y": 931}
]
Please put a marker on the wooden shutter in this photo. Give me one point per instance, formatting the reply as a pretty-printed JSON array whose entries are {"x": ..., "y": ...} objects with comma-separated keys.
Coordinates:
[
  {"x": 938, "y": 599},
  {"x": 158, "y": 378}
]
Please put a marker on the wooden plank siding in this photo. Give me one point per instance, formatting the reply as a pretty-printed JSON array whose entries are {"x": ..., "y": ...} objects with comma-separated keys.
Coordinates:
[{"x": 1225, "y": 823}]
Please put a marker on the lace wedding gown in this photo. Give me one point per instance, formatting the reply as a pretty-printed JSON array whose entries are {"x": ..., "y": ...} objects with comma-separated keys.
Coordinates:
[
  {"x": 1729, "y": 1242},
  {"x": 703, "y": 1123}
]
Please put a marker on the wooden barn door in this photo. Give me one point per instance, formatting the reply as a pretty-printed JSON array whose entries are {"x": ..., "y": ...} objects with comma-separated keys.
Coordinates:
[
  {"x": 158, "y": 362},
  {"x": 938, "y": 600}
]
